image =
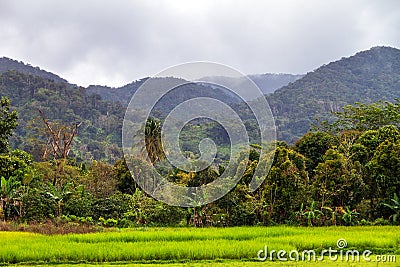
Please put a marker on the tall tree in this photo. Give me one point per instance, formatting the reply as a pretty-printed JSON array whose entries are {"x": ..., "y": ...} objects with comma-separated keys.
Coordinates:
[
  {"x": 125, "y": 182},
  {"x": 153, "y": 143},
  {"x": 313, "y": 146},
  {"x": 285, "y": 187},
  {"x": 60, "y": 141},
  {"x": 338, "y": 181},
  {"x": 8, "y": 123}
]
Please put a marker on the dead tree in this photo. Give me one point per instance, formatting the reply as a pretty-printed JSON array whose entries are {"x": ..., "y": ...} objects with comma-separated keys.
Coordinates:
[{"x": 59, "y": 140}]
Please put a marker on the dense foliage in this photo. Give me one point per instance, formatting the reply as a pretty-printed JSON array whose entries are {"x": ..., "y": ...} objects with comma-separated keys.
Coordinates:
[
  {"x": 7, "y": 64},
  {"x": 326, "y": 178},
  {"x": 344, "y": 172},
  {"x": 8, "y": 123},
  {"x": 99, "y": 135}
]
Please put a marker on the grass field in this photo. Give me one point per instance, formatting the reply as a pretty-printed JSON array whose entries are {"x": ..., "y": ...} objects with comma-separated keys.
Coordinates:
[{"x": 199, "y": 247}]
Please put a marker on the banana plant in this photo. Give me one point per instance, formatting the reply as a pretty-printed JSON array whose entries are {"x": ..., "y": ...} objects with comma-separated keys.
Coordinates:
[
  {"x": 59, "y": 195},
  {"x": 395, "y": 207},
  {"x": 7, "y": 194},
  {"x": 349, "y": 216},
  {"x": 309, "y": 213}
]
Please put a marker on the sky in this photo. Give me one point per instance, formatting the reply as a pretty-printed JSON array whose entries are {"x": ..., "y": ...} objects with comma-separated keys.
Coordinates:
[{"x": 116, "y": 42}]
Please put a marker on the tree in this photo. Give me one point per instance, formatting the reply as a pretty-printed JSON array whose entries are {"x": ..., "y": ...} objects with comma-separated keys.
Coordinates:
[
  {"x": 285, "y": 187},
  {"x": 60, "y": 141},
  {"x": 153, "y": 143},
  {"x": 313, "y": 146},
  {"x": 337, "y": 181},
  {"x": 377, "y": 151},
  {"x": 17, "y": 164},
  {"x": 125, "y": 182},
  {"x": 384, "y": 169},
  {"x": 101, "y": 181},
  {"x": 364, "y": 117},
  {"x": 8, "y": 123},
  {"x": 309, "y": 213}
]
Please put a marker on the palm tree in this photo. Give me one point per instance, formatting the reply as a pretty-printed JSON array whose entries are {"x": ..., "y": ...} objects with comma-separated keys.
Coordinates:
[{"x": 153, "y": 143}]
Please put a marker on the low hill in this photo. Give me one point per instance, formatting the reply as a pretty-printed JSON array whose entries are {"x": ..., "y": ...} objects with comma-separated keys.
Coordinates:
[
  {"x": 267, "y": 82},
  {"x": 99, "y": 136},
  {"x": 122, "y": 94}
]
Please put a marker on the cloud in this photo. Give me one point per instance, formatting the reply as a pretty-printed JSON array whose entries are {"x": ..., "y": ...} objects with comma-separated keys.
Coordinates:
[{"x": 115, "y": 42}]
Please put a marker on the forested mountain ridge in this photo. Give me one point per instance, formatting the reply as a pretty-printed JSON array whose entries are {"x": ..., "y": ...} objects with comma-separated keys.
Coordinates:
[
  {"x": 366, "y": 77},
  {"x": 7, "y": 64},
  {"x": 99, "y": 136},
  {"x": 189, "y": 90}
]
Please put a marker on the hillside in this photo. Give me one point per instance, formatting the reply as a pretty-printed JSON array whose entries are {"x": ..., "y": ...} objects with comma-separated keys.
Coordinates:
[
  {"x": 269, "y": 82},
  {"x": 366, "y": 77},
  {"x": 98, "y": 136},
  {"x": 7, "y": 64}
]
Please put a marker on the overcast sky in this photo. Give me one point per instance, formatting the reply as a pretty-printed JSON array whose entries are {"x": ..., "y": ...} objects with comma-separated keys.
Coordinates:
[{"x": 115, "y": 42}]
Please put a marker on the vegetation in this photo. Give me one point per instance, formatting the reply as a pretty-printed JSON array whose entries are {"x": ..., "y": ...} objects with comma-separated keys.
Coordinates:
[
  {"x": 7, "y": 64},
  {"x": 8, "y": 123},
  {"x": 347, "y": 177},
  {"x": 168, "y": 245},
  {"x": 63, "y": 172},
  {"x": 63, "y": 106}
]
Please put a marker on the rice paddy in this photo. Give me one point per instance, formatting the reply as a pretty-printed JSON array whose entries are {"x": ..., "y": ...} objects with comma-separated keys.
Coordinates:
[{"x": 199, "y": 246}]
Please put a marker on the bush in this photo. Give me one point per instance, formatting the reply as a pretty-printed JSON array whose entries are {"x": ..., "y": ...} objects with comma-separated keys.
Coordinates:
[
  {"x": 381, "y": 222},
  {"x": 108, "y": 222},
  {"x": 37, "y": 206},
  {"x": 113, "y": 207},
  {"x": 80, "y": 206}
]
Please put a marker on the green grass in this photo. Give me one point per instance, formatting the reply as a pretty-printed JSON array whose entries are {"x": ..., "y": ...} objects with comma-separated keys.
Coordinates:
[
  {"x": 194, "y": 247},
  {"x": 232, "y": 264}
]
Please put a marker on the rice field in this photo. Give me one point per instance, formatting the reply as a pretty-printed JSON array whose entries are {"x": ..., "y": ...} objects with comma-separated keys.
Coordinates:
[{"x": 199, "y": 247}]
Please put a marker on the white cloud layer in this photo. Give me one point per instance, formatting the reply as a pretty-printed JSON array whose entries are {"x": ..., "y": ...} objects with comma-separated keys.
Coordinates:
[{"x": 115, "y": 42}]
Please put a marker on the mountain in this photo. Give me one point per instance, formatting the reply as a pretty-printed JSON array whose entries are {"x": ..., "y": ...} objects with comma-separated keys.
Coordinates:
[
  {"x": 267, "y": 82},
  {"x": 124, "y": 94},
  {"x": 366, "y": 77},
  {"x": 7, "y": 64},
  {"x": 99, "y": 136}
]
